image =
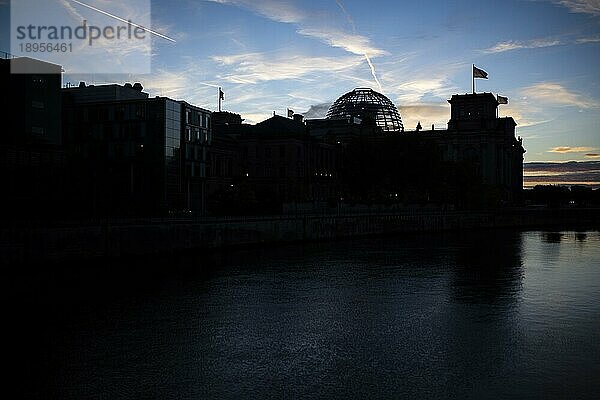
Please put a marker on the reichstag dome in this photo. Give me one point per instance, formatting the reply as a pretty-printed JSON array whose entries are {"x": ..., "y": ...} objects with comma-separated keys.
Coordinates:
[{"x": 367, "y": 104}]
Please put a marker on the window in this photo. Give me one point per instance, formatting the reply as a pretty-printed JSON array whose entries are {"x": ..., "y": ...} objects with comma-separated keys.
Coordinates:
[
  {"x": 36, "y": 130},
  {"x": 140, "y": 111},
  {"x": 38, "y": 82}
]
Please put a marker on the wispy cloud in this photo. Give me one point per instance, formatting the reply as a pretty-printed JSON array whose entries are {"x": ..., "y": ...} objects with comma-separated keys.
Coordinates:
[
  {"x": 317, "y": 110},
  {"x": 581, "y": 6},
  {"x": 409, "y": 85},
  {"x": 351, "y": 42},
  {"x": 106, "y": 55},
  {"x": 516, "y": 45},
  {"x": 276, "y": 10},
  {"x": 562, "y": 173},
  {"x": 590, "y": 39},
  {"x": 525, "y": 115},
  {"x": 592, "y": 155},
  {"x": 568, "y": 149},
  {"x": 257, "y": 67},
  {"x": 414, "y": 90},
  {"x": 555, "y": 93},
  {"x": 311, "y": 24},
  {"x": 427, "y": 114},
  {"x": 511, "y": 45},
  {"x": 166, "y": 83},
  {"x": 367, "y": 56}
]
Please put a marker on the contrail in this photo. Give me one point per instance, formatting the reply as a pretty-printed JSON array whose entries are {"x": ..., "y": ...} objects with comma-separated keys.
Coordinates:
[
  {"x": 351, "y": 22},
  {"x": 208, "y": 84},
  {"x": 124, "y": 20},
  {"x": 373, "y": 72}
]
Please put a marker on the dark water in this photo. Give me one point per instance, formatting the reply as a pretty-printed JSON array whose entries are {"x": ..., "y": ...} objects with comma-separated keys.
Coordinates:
[{"x": 481, "y": 315}]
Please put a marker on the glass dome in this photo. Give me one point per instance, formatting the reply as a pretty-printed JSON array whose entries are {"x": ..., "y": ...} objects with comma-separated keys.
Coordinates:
[{"x": 367, "y": 105}]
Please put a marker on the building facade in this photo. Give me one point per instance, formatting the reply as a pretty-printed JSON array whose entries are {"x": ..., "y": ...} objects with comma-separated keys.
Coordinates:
[
  {"x": 477, "y": 135},
  {"x": 32, "y": 158},
  {"x": 272, "y": 163},
  {"x": 131, "y": 154}
]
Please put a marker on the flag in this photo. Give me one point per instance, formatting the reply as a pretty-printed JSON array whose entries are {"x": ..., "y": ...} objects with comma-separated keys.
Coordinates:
[
  {"x": 290, "y": 113},
  {"x": 221, "y": 94},
  {"x": 479, "y": 73},
  {"x": 502, "y": 100}
]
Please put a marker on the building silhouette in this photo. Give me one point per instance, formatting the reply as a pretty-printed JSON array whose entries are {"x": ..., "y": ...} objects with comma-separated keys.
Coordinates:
[
  {"x": 112, "y": 150},
  {"x": 272, "y": 163},
  {"x": 477, "y": 135},
  {"x": 368, "y": 107},
  {"x": 360, "y": 112},
  {"x": 32, "y": 159},
  {"x": 130, "y": 154}
]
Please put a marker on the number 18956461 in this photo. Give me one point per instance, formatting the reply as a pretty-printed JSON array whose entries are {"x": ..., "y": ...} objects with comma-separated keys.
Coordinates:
[{"x": 46, "y": 47}]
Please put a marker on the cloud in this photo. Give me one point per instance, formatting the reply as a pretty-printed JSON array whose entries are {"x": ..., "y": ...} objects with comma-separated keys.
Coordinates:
[
  {"x": 592, "y": 155},
  {"x": 581, "y": 6},
  {"x": 555, "y": 93},
  {"x": 426, "y": 114},
  {"x": 510, "y": 45},
  {"x": 565, "y": 173},
  {"x": 515, "y": 45},
  {"x": 169, "y": 84},
  {"x": 314, "y": 25},
  {"x": 115, "y": 55},
  {"x": 275, "y": 10},
  {"x": 590, "y": 39},
  {"x": 309, "y": 24},
  {"x": 256, "y": 67},
  {"x": 412, "y": 91},
  {"x": 352, "y": 43},
  {"x": 524, "y": 115},
  {"x": 317, "y": 111},
  {"x": 427, "y": 83},
  {"x": 72, "y": 11},
  {"x": 567, "y": 149}
]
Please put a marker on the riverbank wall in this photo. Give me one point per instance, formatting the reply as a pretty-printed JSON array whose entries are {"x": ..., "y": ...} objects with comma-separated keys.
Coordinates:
[{"x": 118, "y": 238}]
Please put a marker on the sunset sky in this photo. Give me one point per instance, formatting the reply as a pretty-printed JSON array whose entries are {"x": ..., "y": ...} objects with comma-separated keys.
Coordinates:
[{"x": 269, "y": 55}]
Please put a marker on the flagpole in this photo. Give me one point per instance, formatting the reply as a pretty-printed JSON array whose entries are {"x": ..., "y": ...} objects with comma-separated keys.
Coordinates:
[
  {"x": 473, "y": 76},
  {"x": 219, "y": 97}
]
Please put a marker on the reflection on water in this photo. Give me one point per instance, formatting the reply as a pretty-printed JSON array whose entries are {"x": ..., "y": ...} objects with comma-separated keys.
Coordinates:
[
  {"x": 482, "y": 315},
  {"x": 488, "y": 269},
  {"x": 581, "y": 236}
]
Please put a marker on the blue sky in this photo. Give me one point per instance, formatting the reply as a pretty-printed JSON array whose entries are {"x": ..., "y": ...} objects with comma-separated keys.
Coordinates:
[{"x": 269, "y": 55}]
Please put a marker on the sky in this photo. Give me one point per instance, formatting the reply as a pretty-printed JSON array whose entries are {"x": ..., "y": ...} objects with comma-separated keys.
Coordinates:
[{"x": 271, "y": 55}]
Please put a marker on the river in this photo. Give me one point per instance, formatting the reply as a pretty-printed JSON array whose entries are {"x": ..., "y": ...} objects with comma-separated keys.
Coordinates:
[{"x": 482, "y": 315}]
